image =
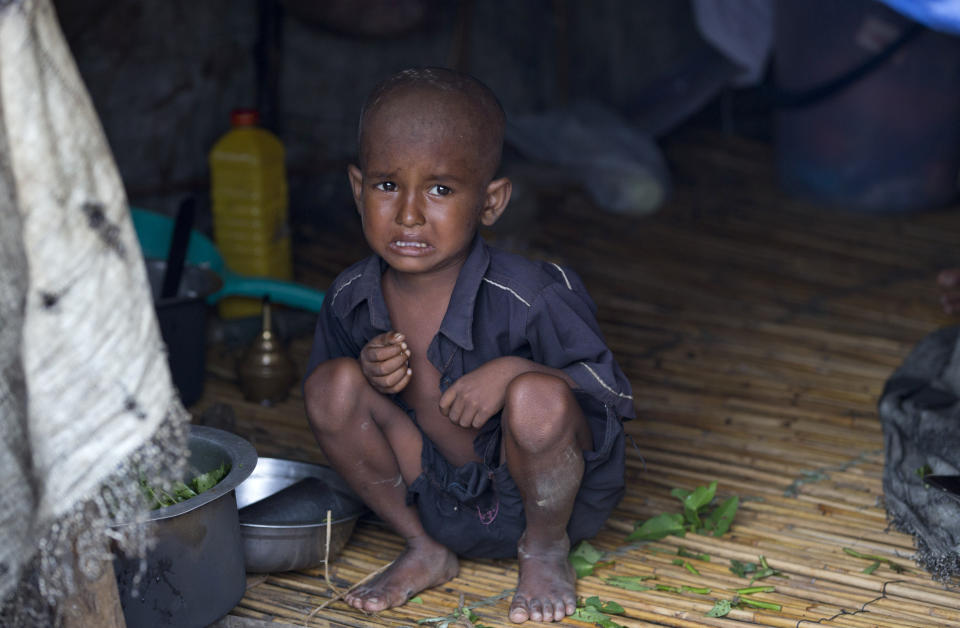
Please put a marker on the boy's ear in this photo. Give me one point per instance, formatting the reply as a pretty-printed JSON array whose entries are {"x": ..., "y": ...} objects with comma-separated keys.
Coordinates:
[
  {"x": 356, "y": 183},
  {"x": 498, "y": 195}
]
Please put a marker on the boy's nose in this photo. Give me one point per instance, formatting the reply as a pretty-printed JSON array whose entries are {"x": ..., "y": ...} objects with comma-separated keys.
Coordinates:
[{"x": 410, "y": 213}]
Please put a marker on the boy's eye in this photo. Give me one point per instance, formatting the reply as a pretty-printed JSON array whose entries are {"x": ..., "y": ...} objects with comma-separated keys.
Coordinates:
[
  {"x": 440, "y": 190},
  {"x": 386, "y": 186}
]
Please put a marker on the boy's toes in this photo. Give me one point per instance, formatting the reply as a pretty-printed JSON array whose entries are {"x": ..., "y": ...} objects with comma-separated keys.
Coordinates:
[
  {"x": 519, "y": 612},
  {"x": 570, "y": 605},
  {"x": 523, "y": 609},
  {"x": 547, "y": 611},
  {"x": 560, "y": 610},
  {"x": 374, "y": 605},
  {"x": 536, "y": 610}
]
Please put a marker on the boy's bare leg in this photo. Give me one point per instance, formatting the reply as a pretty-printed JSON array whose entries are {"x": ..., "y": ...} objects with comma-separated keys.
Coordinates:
[
  {"x": 375, "y": 446},
  {"x": 544, "y": 434}
]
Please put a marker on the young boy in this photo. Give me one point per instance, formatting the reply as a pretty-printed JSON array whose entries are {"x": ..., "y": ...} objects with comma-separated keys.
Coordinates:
[{"x": 465, "y": 393}]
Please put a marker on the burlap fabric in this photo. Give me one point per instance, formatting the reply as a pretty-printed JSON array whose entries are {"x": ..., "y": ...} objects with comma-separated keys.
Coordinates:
[
  {"x": 86, "y": 401},
  {"x": 920, "y": 412}
]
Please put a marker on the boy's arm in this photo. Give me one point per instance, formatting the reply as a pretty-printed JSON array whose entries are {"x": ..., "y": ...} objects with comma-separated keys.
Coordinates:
[
  {"x": 330, "y": 339},
  {"x": 564, "y": 334},
  {"x": 478, "y": 395},
  {"x": 565, "y": 341}
]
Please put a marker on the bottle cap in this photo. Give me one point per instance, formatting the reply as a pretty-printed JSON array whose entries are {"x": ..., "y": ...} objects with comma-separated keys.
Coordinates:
[{"x": 244, "y": 117}]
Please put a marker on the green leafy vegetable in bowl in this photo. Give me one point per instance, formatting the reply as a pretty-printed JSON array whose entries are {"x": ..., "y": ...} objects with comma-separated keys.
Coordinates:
[{"x": 157, "y": 497}]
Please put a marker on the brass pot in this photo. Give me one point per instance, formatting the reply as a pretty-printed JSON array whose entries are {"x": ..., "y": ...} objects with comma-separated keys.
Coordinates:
[{"x": 266, "y": 372}]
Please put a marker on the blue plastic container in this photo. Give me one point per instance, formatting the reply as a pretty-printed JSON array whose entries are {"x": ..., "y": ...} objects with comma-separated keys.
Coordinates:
[{"x": 154, "y": 231}]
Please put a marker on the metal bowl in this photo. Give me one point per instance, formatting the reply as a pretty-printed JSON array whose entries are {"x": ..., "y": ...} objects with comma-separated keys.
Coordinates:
[
  {"x": 195, "y": 572},
  {"x": 271, "y": 547}
]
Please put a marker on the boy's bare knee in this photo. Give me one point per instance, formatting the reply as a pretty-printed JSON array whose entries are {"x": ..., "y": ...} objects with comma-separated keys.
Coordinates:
[
  {"x": 332, "y": 392},
  {"x": 538, "y": 410}
]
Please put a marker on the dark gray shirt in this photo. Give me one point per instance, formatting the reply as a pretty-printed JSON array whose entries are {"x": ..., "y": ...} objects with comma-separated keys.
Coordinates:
[{"x": 502, "y": 305}]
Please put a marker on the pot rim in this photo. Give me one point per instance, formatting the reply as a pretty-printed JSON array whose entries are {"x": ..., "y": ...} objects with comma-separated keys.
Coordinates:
[{"x": 302, "y": 526}]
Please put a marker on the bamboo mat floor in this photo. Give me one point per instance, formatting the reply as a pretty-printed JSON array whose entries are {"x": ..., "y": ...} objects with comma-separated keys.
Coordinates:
[{"x": 757, "y": 332}]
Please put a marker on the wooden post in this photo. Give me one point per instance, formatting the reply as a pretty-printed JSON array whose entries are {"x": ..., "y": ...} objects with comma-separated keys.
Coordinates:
[{"x": 98, "y": 604}]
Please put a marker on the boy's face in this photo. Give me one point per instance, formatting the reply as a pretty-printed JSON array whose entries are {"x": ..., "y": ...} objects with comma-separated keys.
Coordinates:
[{"x": 424, "y": 187}]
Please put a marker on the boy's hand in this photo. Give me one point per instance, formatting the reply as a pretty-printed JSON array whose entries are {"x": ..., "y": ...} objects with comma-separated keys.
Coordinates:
[
  {"x": 474, "y": 398},
  {"x": 385, "y": 363}
]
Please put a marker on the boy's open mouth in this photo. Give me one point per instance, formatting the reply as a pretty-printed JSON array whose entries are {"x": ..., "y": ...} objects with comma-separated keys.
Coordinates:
[{"x": 409, "y": 247}]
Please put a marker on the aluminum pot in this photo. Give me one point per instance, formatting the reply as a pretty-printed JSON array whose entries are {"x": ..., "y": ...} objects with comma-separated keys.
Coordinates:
[
  {"x": 301, "y": 543},
  {"x": 195, "y": 572}
]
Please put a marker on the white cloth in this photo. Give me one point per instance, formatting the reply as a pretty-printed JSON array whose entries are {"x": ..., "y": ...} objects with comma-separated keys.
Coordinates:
[{"x": 94, "y": 386}]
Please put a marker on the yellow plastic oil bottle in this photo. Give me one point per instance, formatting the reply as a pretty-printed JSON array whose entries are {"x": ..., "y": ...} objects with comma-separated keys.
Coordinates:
[{"x": 249, "y": 192}]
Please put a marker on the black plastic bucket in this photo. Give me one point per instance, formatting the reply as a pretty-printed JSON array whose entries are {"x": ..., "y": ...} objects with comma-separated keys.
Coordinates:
[{"x": 183, "y": 324}]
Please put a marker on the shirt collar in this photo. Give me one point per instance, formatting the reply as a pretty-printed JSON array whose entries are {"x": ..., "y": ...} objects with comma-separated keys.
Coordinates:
[
  {"x": 368, "y": 288},
  {"x": 457, "y": 323}
]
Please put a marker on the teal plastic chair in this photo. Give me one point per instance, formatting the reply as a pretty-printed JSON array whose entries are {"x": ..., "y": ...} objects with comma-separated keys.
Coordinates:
[{"x": 154, "y": 231}]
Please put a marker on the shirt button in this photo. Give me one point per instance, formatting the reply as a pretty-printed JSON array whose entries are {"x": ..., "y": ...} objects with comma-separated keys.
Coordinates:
[{"x": 446, "y": 381}]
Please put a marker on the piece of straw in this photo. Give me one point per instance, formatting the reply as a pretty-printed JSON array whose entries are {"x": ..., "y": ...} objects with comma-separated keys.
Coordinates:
[
  {"x": 368, "y": 577},
  {"x": 326, "y": 574},
  {"x": 326, "y": 557}
]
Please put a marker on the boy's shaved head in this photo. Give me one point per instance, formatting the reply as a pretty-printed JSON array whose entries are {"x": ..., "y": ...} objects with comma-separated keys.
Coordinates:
[{"x": 446, "y": 97}]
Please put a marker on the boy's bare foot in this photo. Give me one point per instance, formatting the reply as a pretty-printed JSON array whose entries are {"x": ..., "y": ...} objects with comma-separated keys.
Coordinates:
[
  {"x": 547, "y": 587},
  {"x": 424, "y": 564},
  {"x": 949, "y": 282}
]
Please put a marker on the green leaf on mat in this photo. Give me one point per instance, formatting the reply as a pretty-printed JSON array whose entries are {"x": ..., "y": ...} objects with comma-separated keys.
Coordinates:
[
  {"x": 696, "y": 501},
  {"x": 581, "y": 567},
  {"x": 592, "y": 615},
  {"x": 697, "y": 516},
  {"x": 742, "y": 569},
  {"x": 630, "y": 583},
  {"x": 416, "y": 600},
  {"x": 720, "y": 609},
  {"x": 658, "y": 527},
  {"x": 755, "y": 571},
  {"x": 897, "y": 568},
  {"x": 586, "y": 551},
  {"x": 596, "y": 611},
  {"x": 722, "y": 516},
  {"x": 682, "y": 551},
  {"x": 584, "y": 559},
  {"x": 770, "y": 606}
]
